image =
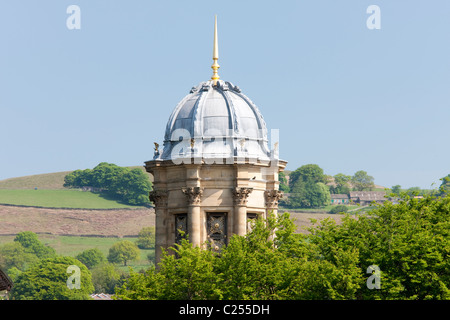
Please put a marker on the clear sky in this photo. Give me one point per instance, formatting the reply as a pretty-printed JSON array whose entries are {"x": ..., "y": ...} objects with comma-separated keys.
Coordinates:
[{"x": 343, "y": 96}]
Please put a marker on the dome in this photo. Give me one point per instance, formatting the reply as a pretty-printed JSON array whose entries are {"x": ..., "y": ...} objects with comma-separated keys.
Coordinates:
[{"x": 215, "y": 121}]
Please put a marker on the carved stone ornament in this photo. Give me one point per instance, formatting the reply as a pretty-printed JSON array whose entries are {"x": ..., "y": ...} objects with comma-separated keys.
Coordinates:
[
  {"x": 272, "y": 197},
  {"x": 193, "y": 194},
  {"x": 240, "y": 195},
  {"x": 158, "y": 197}
]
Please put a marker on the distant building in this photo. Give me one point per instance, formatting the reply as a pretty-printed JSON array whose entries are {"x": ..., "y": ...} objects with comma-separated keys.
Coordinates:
[
  {"x": 339, "y": 199},
  {"x": 367, "y": 197}
]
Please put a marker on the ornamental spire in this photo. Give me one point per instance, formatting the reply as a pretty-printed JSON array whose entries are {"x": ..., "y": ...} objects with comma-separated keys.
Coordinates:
[{"x": 215, "y": 66}]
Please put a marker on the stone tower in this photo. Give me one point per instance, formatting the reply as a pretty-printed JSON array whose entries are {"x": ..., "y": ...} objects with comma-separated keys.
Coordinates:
[{"x": 215, "y": 171}]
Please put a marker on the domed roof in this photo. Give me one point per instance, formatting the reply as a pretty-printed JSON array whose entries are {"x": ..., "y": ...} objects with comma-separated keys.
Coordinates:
[{"x": 215, "y": 121}]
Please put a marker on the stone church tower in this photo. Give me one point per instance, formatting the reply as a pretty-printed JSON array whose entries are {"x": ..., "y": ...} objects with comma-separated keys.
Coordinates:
[{"x": 215, "y": 171}]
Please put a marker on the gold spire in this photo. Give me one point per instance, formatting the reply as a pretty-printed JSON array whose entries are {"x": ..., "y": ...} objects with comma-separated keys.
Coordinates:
[{"x": 215, "y": 66}]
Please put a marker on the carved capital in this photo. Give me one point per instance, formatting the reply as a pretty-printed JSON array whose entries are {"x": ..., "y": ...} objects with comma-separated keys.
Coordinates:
[
  {"x": 158, "y": 197},
  {"x": 272, "y": 197},
  {"x": 240, "y": 195},
  {"x": 193, "y": 194}
]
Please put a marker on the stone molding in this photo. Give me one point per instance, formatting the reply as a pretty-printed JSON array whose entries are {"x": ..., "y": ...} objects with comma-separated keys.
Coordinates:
[
  {"x": 158, "y": 197},
  {"x": 193, "y": 194},
  {"x": 240, "y": 195},
  {"x": 272, "y": 197}
]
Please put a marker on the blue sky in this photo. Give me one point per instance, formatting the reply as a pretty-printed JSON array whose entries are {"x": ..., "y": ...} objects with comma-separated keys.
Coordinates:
[{"x": 343, "y": 96}]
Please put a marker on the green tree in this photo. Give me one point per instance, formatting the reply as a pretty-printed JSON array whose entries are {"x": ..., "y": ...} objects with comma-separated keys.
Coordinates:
[
  {"x": 409, "y": 242},
  {"x": 362, "y": 181},
  {"x": 91, "y": 257},
  {"x": 31, "y": 243},
  {"x": 123, "y": 251},
  {"x": 146, "y": 238},
  {"x": 284, "y": 186},
  {"x": 47, "y": 280},
  {"x": 122, "y": 183},
  {"x": 307, "y": 173},
  {"x": 397, "y": 189},
  {"x": 14, "y": 255},
  {"x": 444, "y": 188},
  {"x": 341, "y": 184},
  {"x": 106, "y": 277}
]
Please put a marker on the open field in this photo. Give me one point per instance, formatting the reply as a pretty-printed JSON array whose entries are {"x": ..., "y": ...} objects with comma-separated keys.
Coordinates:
[
  {"x": 53, "y": 181},
  {"x": 73, "y": 245},
  {"x": 107, "y": 223},
  {"x": 59, "y": 199}
]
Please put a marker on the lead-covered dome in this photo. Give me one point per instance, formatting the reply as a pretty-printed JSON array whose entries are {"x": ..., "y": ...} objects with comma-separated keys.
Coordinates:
[{"x": 215, "y": 121}]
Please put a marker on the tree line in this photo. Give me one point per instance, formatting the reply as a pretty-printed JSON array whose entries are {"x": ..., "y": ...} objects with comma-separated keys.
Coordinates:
[
  {"x": 396, "y": 251},
  {"x": 310, "y": 187},
  {"x": 131, "y": 186}
]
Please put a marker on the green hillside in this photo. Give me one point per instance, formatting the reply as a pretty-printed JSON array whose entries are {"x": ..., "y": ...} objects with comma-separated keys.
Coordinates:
[
  {"x": 51, "y": 181},
  {"x": 46, "y": 190},
  {"x": 58, "y": 199}
]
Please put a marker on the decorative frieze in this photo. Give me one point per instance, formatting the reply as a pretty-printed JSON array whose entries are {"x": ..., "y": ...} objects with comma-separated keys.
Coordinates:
[
  {"x": 272, "y": 197},
  {"x": 240, "y": 195},
  {"x": 193, "y": 194},
  {"x": 158, "y": 197}
]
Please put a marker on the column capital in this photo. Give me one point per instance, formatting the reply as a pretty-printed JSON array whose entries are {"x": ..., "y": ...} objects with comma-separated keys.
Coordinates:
[
  {"x": 240, "y": 195},
  {"x": 272, "y": 197},
  {"x": 193, "y": 194},
  {"x": 158, "y": 197}
]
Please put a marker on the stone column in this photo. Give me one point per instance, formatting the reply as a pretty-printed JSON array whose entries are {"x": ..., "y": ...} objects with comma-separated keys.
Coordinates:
[
  {"x": 193, "y": 195},
  {"x": 240, "y": 196},
  {"x": 159, "y": 199},
  {"x": 272, "y": 197}
]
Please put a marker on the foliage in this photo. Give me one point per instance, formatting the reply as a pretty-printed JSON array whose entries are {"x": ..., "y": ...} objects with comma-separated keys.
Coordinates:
[
  {"x": 409, "y": 242},
  {"x": 362, "y": 181},
  {"x": 396, "y": 190},
  {"x": 47, "y": 280},
  {"x": 270, "y": 262},
  {"x": 105, "y": 277},
  {"x": 284, "y": 186},
  {"x": 146, "y": 238},
  {"x": 13, "y": 255},
  {"x": 91, "y": 257},
  {"x": 444, "y": 188},
  {"x": 307, "y": 187},
  {"x": 123, "y": 251},
  {"x": 340, "y": 208},
  {"x": 341, "y": 184},
  {"x": 129, "y": 185},
  {"x": 31, "y": 243}
]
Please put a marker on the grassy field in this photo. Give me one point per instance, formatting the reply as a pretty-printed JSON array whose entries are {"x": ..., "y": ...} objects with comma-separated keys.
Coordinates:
[
  {"x": 58, "y": 199},
  {"x": 52, "y": 181},
  {"x": 71, "y": 246}
]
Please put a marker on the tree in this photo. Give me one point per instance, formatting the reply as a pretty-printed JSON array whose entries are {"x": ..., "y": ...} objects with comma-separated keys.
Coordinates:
[
  {"x": 122, "y": 183},
  {"x": 14, "y": 255},
  {"x": 123, "y": 251},
  {"x": 91, "y": 257},
  {"x": 270, "y": 262},
  {"x": 307, "y": 173},
  {"x": 47, "y": 280},
  {"x": 106, "y": 277},
  {"x": 341, "y": 184},
  {"x": 444, "y": 188},
  {"x": 146, "y": 238},
  {"x": 284, "y": 186},
  {"x": 362, "y": 181},
  {"x": 408, "y": 241},
  {"x": 31, "y": 243},
  {"x": 397, "y": 189}
]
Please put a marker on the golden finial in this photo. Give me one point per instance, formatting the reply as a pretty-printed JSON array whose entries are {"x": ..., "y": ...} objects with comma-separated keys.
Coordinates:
[{"x": 215, "y": 66}]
